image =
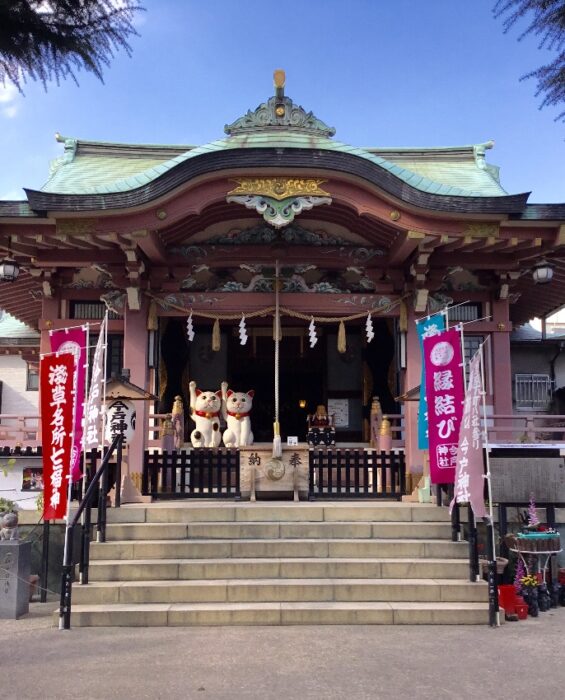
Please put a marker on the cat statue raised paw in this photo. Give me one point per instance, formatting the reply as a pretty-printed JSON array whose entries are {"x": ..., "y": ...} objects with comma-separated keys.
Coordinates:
[
  {"x": 236, "y": 407},
  {"x": 205, "y": 407}
]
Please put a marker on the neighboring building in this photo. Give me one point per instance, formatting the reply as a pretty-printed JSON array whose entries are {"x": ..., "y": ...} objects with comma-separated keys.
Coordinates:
[
  {"x": 538, "y": 369},
  {"x": 19, "y": 367},
  {"x": 155, "y": 232}
]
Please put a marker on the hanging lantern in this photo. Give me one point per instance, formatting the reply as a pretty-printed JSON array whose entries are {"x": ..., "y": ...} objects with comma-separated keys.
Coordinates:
[
  {"x": 9, "y": 270},
  {"x": 369, "y": 328},
  {"x": 312, "y": 333},
  {"x": 190, "y": 328},
  {"x": 242, "y": 331}
]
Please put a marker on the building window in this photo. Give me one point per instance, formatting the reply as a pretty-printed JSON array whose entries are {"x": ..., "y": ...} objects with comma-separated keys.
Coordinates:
[
  {"x": 472, "y": 344},
  {"x": 115, "y": 354},
  {"x": 32, "y": 377},
  {"x": 90, "y": 310},
  {"x": 471, "y": 311},
  {"x": 532, "y": 392}
]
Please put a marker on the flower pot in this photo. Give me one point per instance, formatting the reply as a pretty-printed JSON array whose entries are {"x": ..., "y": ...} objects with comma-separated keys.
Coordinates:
[{"x": 522, "y": 611}]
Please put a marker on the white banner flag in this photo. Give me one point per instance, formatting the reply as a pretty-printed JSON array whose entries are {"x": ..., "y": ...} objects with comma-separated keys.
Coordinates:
[
  {"x": 469, "y": 475},
  {"x": 93, "y": 411}
]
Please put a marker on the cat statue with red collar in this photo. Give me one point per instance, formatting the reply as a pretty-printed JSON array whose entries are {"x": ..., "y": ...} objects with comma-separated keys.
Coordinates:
[
  {"x": 205, "y": 408},
  {"x": 236, "y": 407}
]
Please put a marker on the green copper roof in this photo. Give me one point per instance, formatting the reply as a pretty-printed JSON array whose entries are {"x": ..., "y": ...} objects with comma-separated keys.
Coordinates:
[
  {"x": 102, "y": 168},
  {"x": 91, "y": 168}
]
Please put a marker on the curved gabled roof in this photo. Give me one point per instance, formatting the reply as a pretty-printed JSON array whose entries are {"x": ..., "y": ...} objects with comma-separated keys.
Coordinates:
[
  {"x": 90, "y": 168},
  {"x": 246, "y": 154}
]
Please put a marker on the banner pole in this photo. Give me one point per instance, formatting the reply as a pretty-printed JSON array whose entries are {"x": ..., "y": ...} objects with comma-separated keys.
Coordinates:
[
  {"x": 85, "y": 404},
  {"x": 65, "y": 609},
  {"x": 494, "y": 610}
]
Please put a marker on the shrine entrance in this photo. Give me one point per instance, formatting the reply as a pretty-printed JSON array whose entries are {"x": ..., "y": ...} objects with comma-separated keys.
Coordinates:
[
  {"x": 343, "y": 382},
  {"x": 303, "y": 378}
]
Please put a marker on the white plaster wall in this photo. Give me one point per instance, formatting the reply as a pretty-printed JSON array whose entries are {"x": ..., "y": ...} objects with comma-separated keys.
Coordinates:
[{"x": 15, "y": 398}]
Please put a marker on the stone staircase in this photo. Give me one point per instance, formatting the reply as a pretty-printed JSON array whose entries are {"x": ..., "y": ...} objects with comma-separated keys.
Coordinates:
[{"x": 186, "y": 563}]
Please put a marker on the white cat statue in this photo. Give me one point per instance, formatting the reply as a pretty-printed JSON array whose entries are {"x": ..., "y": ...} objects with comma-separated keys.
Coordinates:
[
  {"x": 205, "y": 407},
  {"x": 236, "y": 407}
]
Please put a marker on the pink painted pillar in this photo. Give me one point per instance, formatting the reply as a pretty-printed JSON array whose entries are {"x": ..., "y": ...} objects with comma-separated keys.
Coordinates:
[
  {"x": 135, "y": 359},
  {"x": 414, "y": 456},
  {"x": 500, "y": 359}
]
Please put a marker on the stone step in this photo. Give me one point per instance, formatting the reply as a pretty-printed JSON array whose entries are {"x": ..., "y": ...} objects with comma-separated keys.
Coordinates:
[
  {"x": 207, "y": 511},
  {"x": 287, "y": 613},
  {"x": 255, "y": 568},
  {"x": 215, "y": 549},
  {"x": 282, "y": 530},
  {"x": 282, "y": 590}
]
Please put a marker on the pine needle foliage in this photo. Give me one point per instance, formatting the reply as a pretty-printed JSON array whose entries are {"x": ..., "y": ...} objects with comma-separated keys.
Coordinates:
[
  {"x": 546, "y": 20},
  {"x": 46, "y": 40}
]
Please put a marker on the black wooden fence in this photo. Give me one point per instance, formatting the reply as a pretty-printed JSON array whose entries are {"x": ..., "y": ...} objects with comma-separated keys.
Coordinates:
[
  {"x": 197, "y": 473},
  {"x": 356, "y": 473}
]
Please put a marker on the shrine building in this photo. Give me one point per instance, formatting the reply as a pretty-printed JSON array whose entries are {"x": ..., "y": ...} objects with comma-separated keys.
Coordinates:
[{"x": 367, "y": 236}]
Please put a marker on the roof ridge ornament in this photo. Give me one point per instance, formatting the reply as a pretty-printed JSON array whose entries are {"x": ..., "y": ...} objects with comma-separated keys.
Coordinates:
[{"x": 279, "y": 113}]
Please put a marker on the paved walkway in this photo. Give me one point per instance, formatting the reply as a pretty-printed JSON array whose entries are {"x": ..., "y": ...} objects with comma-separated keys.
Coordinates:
[{"x": 519, "y": 660}]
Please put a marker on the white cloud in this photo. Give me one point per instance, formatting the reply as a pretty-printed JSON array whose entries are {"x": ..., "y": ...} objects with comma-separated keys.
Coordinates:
[{"x": 9, "y": 100}]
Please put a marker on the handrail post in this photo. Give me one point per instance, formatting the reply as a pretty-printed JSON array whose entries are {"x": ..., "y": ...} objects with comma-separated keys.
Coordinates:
[
  {"x": 473, "y": 547},
  {"x": 85, "y": 544},
  {"x": 102, "y": 503},
  {"x": 455, "y": 523},
  {"x": 66, "y": 581},
  {"x": 67, "y": 575},
  {"x": 118, "y": 497}
]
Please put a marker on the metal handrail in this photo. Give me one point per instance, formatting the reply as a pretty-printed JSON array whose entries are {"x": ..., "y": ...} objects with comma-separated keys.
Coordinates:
[{"x": 86, "y": 508}]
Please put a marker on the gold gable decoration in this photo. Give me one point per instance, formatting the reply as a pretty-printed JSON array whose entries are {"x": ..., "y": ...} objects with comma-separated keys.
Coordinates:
[{"x": 279, "y": 188}]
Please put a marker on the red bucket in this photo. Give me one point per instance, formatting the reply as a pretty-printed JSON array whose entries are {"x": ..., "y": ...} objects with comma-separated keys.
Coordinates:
[
  {"x": 522, "y": 611},
  {"x": 507, "y": 598}
]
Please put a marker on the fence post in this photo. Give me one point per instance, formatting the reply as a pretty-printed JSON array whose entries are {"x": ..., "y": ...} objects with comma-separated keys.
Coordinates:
[
  {"x": 44, "y": 562},
  {"x": 530, "y": 428}
]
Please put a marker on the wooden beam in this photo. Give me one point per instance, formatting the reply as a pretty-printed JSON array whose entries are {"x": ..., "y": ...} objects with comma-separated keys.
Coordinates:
[
  {"x": 78, "y": 258},
  {"x": 153, "y": 248},
  {"x": 404, "y": 245}
]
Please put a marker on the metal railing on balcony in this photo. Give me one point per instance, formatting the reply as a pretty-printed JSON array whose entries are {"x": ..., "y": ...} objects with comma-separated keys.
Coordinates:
[{"x": 532, "y": 392}]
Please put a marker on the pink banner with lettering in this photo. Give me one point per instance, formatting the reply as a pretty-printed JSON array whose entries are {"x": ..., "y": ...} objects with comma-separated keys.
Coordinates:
[
  {"x": 74, "y": 340},
  {"x": 445, "y": 394},
  {"x": 56, "y": 383},
  {"x": 469, "y": 476}
]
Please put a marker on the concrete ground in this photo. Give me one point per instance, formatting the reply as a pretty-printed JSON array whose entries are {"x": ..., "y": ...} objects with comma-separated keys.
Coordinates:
[{"x": 519, "y": 660}]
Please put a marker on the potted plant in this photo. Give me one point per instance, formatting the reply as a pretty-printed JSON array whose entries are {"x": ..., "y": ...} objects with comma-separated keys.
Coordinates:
[{"x": 530, "y": 594}]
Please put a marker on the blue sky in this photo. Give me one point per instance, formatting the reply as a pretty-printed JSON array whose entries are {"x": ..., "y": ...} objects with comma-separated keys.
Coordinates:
[{"x": 383, "y": 72}]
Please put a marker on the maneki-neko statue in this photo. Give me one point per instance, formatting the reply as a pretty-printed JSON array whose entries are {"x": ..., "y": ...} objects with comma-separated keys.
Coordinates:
[
  {"x": 321, "y": 430},
  {"x": 205, "y": 407},
  {"x": 236, "y": 409}
]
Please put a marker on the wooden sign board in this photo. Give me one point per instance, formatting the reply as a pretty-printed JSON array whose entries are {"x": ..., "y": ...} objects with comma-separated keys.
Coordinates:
[{"x": 517, "y": 475}]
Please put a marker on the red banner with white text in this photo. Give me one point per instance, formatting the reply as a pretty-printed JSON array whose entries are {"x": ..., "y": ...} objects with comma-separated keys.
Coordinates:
[
  {"x": 445, "y": 393},
  {"x": 56, "y": 381},
  {"x": 74, "y": 341}
]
